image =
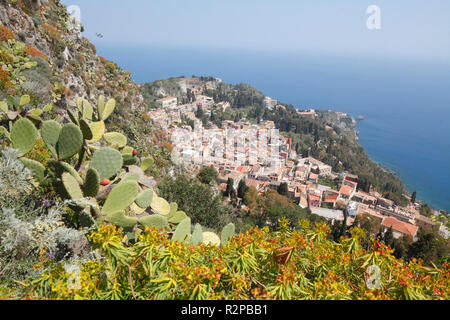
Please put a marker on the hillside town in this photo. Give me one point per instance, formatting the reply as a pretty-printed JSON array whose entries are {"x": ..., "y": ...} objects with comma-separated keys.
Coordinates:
[{"x": 265, "y": 159}]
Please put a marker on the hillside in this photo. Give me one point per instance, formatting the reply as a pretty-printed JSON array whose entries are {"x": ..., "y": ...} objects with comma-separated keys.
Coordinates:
[{"x": 44, "y": 55}]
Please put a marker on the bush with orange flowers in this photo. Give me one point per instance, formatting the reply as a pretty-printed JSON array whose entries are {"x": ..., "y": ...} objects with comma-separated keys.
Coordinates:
[
  {"x": 32, "y": 51},
  {"x": 6, "y": 34},
  {"x": 285, "y": 265}
]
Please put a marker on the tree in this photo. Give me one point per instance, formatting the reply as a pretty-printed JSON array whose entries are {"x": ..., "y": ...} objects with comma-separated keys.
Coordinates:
[
  {"x": 430, "y": 247},
  {"x": 413, "y": 197},
  {"x": 388, "y": 237},
  {"x": 368, "y": 223},
  {"x": 230, "y": 188},
  {"x": 199, "y": 113},
  {"x": 208, "y": 175},
  {"x": 401, "y": 246},
  {"x": 197, "y": 200},
  {"x": 283, "y": 189},
  {"x": 242, "y": 189},
  {"x": 251, "y": 198}
]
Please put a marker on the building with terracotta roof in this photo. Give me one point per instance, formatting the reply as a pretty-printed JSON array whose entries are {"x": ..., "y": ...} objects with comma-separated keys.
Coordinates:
[
  {"x": 346, "y": 192},
  {"x": 399, "y": 228}
]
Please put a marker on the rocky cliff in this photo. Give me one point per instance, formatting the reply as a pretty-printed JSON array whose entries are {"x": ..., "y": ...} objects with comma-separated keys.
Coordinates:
[{"x": 43, "y": 54}]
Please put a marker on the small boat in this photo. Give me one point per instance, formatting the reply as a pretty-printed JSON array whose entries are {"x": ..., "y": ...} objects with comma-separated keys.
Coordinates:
[{"x": 360, "y": 117}]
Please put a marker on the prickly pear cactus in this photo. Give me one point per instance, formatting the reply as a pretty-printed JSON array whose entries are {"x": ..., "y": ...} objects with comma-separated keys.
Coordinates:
[
  {"x": 92, "y": 184},
  {"x": 129, "y": 160},
  {"x": 69, "y": 142},
  {"x": 36, "y": 167},
  {"x": 59, "y": 167},
  {"x": 120, "y": 219},
  {"x": 100, "y": 107},
  {"x": 121, "y": 197},
  {"x": 147, "y": 163},
  {"x": 127, "y": 150},
  {"x": 227, "y": 233},
  {"x": 98, "y": 130},
  {"x": 23, "y": 135},
  {"x": 115, "y": 139},
  {"x": 86, "y": 130},
  {"x": 109, "y": 109},
  {"x": 71, "y": 185},
  {"x": 177, "y": 217},
  {"x": 50, "y": 131},
  {"x": 182, "y": 231},
  {"x": 197, "y": 235},
  {"x": 145, "y": 198},
  {"x": 160, "y": 206},
  {"x": 157, "y": 221},
  {"x": 107, "y": 162}
]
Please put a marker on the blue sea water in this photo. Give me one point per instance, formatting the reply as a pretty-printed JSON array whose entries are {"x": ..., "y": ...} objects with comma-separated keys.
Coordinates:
[{"x": 406, "y": 103}]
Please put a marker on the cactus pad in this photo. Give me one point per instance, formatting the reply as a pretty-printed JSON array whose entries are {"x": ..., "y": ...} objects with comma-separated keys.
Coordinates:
[
  {"x": 115, "y": 139},
  {"x": 36, "y": 167},
  {"x": 177, "y": 217},
  {"x": 147, "y": 163},
  {"x": 129, "y": 160},
  {"x": 182, "y": 231},
  {"x": 211, "y": 238},
  {"x": 98, "y": 129},
  {"x": 3, "y": 106},
  {"x": 227, "y": 233},
  {"x": 88, "y": 111},
  {"x": 92, "y": 184},
  {"x": 23, "y": 136},
  {"x": 86, "y": 130},
  {"x": 109, "y": 109},
  {"x": 120, "y": 219},
  {"x": 121, "y": 197},
  {"x": 69, "y": 142},
  {"x": 127, "y": 150},
  {"x": 160, "y": 205},
  {"x": 50, "y": 134},
  {"x": 145, "y": 198},
  {"x": 197, "y": 235},
  {"x": 107, "y": 162},
  {"x": 59, "y": 167},
  {"x": 71, "y": 185},
  {"x": 100, "y": 106},
  {"x": 24, "y": 100},
  {"x": 157, "y": 221}
]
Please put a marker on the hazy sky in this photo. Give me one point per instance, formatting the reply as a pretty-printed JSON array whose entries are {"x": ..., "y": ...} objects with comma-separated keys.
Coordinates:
[{"x": 409, "y": 28}]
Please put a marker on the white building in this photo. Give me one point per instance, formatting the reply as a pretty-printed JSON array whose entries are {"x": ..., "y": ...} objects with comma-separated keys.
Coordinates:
[{"x": 168, "y": 102}]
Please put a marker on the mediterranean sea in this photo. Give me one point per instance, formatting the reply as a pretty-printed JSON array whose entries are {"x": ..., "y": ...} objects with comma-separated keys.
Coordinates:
[{"x": 405, "y": 103}]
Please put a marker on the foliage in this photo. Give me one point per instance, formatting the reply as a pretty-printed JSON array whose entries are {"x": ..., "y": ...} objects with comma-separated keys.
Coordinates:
[
  {"x": 208, "y": 175},
  {"x": 196, "y": 199},
  {"x": 299, "y": 265}
]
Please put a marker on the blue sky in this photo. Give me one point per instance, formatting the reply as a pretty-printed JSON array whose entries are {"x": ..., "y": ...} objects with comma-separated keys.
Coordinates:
[{"x": 410, "y": 28}]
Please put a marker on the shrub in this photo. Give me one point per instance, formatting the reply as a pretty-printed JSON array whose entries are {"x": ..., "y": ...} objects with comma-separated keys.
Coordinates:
[
  {"x": 32, "y": 51},
  {"x": 6, "y": 34},
  {"x": 257, "y": 265}
]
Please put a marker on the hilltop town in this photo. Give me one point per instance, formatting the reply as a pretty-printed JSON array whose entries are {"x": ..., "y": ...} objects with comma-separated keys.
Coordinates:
[{"x": 260, "y": 155}]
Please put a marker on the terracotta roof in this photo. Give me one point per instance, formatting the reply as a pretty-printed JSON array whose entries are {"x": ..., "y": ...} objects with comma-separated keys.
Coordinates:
[
  {"x": 346, "y": 190},
  {"x": 313, "y": 176},
  {"x": 399, "y": 226}
]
